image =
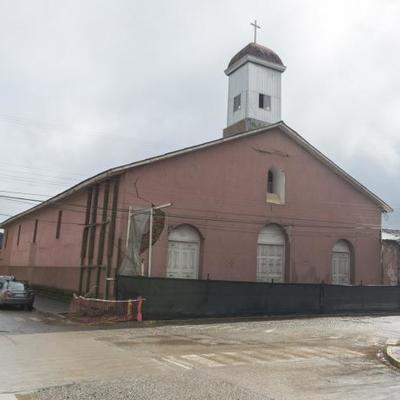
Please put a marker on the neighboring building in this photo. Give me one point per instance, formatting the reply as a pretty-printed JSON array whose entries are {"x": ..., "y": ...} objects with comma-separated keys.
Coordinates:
[
  {"x": 391, "y": 256},
  {"x": 1, "y": 247},
  {"x": 256, "y": 205}
]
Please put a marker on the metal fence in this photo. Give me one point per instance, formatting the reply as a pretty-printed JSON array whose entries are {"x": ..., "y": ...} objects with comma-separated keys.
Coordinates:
[{"x": 183, "y": 298}]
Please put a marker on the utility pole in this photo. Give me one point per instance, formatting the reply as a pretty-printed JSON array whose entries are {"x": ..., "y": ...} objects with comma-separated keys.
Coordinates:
[
  {"x": 150, "y": 240},
  {"x": 129, "y": 226}
]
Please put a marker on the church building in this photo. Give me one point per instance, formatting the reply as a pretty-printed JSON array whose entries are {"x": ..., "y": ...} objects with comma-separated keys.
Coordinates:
[{"x": 258, "y": 204}]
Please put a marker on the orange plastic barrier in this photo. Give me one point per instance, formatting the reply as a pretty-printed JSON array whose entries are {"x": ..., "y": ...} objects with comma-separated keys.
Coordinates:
[{"x": 97, "y": 310}]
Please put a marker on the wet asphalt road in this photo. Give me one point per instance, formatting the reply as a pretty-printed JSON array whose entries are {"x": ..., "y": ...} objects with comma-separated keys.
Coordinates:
[
  {"x": 16, "y": 321},
  {"x": 316, "y": 358}
]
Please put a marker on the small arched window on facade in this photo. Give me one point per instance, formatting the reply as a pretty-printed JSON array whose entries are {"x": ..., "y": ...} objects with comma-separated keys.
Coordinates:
[
  {"x": 183, "y": 253},
  {"x": 341, "y": 263},
  {"x": 275, "y": 186}
]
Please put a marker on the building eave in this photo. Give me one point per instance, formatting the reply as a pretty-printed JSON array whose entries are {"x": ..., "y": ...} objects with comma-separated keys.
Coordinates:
[
  {"x": 121, "y": 169},
  {"x": 254, "y": 60},
  {"x": 390, "y": 235},
  {"x": 308, "y": 146}
]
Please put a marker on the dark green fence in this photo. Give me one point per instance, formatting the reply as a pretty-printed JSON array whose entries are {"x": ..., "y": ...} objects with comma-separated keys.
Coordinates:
[{"x": 185, "y": 298}]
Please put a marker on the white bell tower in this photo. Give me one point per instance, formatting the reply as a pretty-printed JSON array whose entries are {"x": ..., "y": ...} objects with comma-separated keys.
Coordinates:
[{"x": 254, "y": 94}]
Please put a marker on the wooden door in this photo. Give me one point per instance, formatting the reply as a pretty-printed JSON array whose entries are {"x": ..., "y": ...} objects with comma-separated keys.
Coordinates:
[
  {"x": 270, "y": 263},
  {"x": 183, "y": 260}
]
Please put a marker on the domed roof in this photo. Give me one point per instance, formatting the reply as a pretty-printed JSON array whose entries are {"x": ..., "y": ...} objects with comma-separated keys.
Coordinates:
[{"x": 256, "y": 50}]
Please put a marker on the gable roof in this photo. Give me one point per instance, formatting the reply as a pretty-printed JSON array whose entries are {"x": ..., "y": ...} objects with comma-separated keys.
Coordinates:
[{"x": 280, "y": 125}]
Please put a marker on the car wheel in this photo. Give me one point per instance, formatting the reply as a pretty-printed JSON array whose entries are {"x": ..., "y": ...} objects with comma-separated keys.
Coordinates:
[{"x": 29, "y": 307}]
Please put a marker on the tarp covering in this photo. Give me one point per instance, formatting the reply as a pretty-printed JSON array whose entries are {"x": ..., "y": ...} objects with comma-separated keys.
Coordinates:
[{"x": 138, "y": 239}]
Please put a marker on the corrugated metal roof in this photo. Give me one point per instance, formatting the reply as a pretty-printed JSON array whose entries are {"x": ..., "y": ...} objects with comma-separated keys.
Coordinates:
[
  {"x": 391, "y": 234},
  {"x": 279, "y": 125},
  {"x": 256, "y": 50}
]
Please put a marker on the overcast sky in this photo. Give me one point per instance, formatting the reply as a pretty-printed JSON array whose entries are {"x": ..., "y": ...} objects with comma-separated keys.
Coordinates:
[{"x": 89, "y": 85}]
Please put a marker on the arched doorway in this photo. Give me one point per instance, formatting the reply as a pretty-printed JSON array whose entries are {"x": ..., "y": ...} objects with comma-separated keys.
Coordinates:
[
  {"x": 341, "y": 263},
  {"x": 271, "y": 255},
  {"x": 183, "y": 253}
]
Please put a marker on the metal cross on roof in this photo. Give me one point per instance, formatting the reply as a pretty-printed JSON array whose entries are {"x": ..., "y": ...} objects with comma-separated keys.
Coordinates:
[{"x": 255, "y": 29}]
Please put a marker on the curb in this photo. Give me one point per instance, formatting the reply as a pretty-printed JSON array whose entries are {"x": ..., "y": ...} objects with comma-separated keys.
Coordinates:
[
  {"x": 61, "y": 316},
  {"x": 393, "y": 355},
  {"x": 149, "y": 323}
]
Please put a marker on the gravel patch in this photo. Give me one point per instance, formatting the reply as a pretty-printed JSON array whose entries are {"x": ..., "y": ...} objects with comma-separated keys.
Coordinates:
[{"x": 191, "y": 385}]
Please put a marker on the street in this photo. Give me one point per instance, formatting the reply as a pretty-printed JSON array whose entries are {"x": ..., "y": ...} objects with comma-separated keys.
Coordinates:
[
  {"x": 311, "y": 358},
  {"x": 16, "y": 321}
]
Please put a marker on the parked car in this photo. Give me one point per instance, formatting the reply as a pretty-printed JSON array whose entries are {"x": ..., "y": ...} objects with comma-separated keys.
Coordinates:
[
  {"x": 7, "y": 278},
  {"x": 16, "y": 293}
]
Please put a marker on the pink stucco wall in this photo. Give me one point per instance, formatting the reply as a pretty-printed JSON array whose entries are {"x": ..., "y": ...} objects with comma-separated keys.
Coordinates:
[
  {"x": 52, "y": 261},
  {"x": 228, "y": 182},
  {"x": 221, "y": 191},
  {"x": 48, "y": 251}
]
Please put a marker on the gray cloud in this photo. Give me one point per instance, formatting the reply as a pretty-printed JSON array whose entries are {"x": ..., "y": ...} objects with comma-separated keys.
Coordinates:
[{"x": 89, "y": 85}]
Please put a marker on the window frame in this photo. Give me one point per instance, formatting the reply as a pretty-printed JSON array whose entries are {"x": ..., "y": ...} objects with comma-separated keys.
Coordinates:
[
  {"x": 59, "y": 222},
  {"x": 19, "y": 234},
  {"x": 276, "y": 186},
  {"x": 270, "y": 182},
  {"x": 237, "y": 102},
  {"x": 262, "y": 103},
  {"x": 35, "y": 228}
]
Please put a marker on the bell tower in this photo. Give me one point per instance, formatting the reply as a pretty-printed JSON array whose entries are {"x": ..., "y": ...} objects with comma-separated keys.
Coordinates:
[{"x": 254, "y": 94}]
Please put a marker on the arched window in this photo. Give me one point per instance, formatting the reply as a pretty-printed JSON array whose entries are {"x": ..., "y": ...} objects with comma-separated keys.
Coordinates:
[
  {"x": 275, "y": 186},
  {"x": 341, "y": 263},
  {"x": 183, "y": 253},
  {"x": 270, "y": 183},
  {"x": 271, "y": 255}
]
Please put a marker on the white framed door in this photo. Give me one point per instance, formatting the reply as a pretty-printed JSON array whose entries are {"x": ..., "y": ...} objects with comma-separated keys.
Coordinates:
[
  {"x": 271, "y": 255},
  {"x": 183, "y": 253},
  {"x": 270, "y": 263},
  {"x": 341, "y": 263},
  {"x": 183, "y": 260}
]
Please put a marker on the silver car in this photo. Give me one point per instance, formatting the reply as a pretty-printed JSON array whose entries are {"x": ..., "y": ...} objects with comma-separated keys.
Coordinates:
[{"x": 16, "y": 293}]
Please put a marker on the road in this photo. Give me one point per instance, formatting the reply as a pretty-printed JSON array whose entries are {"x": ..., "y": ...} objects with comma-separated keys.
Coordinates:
[
  {"x": 329, "y": 358},
  {"x": 16, "y": 321}
]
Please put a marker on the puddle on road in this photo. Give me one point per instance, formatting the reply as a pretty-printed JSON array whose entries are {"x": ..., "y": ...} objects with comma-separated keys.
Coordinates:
[{"x": 158, "y": 341}]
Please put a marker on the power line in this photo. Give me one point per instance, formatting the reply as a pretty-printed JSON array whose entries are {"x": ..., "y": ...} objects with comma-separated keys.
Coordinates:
[
  {"x": 28, "y": 194},
  {"x": 32, "y": 168},
  {"x": 35, "y": 183},
  {"x": 232, "y": 225},
  {"x": 36, "y": 174},
  {"x": 20, "y": 199},
  {"x": 218, "y": 212},
  {"x": 210, "y": 218},
  {"x": 34, "y": 179}
]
